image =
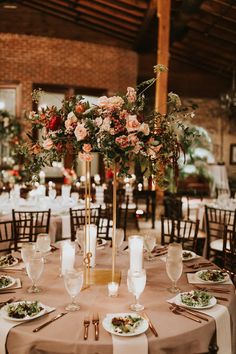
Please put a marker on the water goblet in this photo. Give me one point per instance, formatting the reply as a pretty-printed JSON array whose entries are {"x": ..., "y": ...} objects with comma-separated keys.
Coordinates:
[
  {"x": 34, "y": 268},
  {"x": 136, "y": 284},
  {"x": 28, "y": 250},
  {"x": 174, "y": 265},
  {"x": 43, "y": 244},
  {"x": 73, "y": 280},
  {"x": 149, "y": 244}
]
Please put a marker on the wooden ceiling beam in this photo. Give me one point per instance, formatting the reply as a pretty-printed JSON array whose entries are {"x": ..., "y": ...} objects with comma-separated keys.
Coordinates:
[
  {"x": 215, "y": 31},
  {"x": 107, "y": 26},
  {"x": 223, "y": 10},
  {"x": 178, "y": 55},
  {"x": 219, "y": 16},
  {"x": 57, "y": 8},
  {"x": 150, "y": 14},
  {"x": 213, "y": 21},
  {"x": 107, "y": 32},
  {"x": 140, "y": 4},
  {"x": 118, "y": 7},
  {"x": 99, "y": 9},
  {"x": 199, "y": 56}
]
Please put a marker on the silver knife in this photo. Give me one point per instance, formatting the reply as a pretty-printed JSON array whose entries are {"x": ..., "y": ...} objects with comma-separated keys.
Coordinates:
[{"x": 50, "y": 321}]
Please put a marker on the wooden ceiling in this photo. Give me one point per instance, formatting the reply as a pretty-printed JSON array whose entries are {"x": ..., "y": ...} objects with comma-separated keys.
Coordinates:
[{"x": 203, "y": 32}]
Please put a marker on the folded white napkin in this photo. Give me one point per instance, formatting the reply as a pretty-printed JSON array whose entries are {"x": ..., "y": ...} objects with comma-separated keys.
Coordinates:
[
  {"x": 65, "y": 226},
  {"x": 127, "y": 345},
  {"x": 193, "y": 279},
  {"x": 221, "y": 316},
  {"x": 6, "y": 325}
]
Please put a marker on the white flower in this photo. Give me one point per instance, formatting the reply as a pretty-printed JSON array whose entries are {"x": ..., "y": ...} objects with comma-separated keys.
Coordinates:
[{"x": 144, "y": 128}]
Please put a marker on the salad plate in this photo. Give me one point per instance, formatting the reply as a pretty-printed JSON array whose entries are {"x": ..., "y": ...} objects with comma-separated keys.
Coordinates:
[
  {"x": 188, "y": 255},
  {"x": 195, "y": 299},
  {"x": 23, "y": 310},
  {"x": 125, "y": 324},
  {"x": 6, "y": 282},
  {"x": 8, "y": 261},
  {"x": 212, "y": 276}
]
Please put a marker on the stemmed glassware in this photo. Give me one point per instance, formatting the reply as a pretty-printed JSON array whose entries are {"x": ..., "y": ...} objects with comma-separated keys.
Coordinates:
[
  {"x": 149, "y": 244},
  {"x": 174, "y": 265},
  {"x": 43, "y": 244},
  {"x": 73, "y": 280},
  {"x": 28, "y": 250},
  {"x": 34, "y": 268},
  {"x": 136, "y": 282}
]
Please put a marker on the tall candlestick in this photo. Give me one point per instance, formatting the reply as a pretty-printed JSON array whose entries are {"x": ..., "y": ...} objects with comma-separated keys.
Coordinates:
[
  {"x": 91, "y": 243},
  {"x": 136, "y": 253}
]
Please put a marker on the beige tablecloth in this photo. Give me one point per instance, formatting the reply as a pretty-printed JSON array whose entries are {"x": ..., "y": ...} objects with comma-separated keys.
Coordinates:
[{"x": 177, "y": 335}]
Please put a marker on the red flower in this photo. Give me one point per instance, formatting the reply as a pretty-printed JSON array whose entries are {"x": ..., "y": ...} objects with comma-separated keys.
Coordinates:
[{"x": 54, "y": 123}]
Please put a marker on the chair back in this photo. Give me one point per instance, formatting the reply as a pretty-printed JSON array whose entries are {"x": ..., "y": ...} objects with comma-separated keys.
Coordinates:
[
  {"x": 78, "y": 217},
  {"x": 216, "y": 219},
  {"x": 105, "y": 222},
  {"x": 6, "y": 237},
  {"x": 229, "y": 252},
  {"x": 173, "y": 207},
  {"x": 180, "y": 231},
  {"x": 28, "y": 224}
]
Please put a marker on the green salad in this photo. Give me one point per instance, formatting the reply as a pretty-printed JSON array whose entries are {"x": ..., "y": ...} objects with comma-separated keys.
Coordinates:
[
  {"x": 212, "y": 275},
  {"x": 4, "y": 281},
  {"x": 24, "y": 309},
  {"x": 126, "y": 324},
  {"x": 7, "y": 260},
  {"x": 196, "y": 298}
]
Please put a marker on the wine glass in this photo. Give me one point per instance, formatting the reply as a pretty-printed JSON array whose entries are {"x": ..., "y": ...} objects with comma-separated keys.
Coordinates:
[
  {"x": 174, "y": 265},
  {"x": 28, "y": 250},
  {"x": 136, "y": 284},
  {"x": 43, "y": 244},
  {"x": 119, "y": 239},
  {"x": 73, "y": 280},
  {"x": 34, "y": 268},
  {"x": 149, "y": 244}
]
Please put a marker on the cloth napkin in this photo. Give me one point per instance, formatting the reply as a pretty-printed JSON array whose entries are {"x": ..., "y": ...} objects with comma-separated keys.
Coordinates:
[
  {"x": 221, "y": 316},
  {"x": 6, "y": 325},
  {"x": 193, "y": 279},
  {"x": 65, "y": 226},
  {"x": 126, "y": 345}
]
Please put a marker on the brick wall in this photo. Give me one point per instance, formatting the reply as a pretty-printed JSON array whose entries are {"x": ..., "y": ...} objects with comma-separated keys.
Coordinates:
[{"x": 28, "y": 59}]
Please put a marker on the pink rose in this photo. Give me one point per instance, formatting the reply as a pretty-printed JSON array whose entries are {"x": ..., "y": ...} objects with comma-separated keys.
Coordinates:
[
  {"x": 131, "y": 94},
  {"x": 71, "y": 120},
  {"x": 144, "y": 128},
  {"x": 87, "y": 148},
  {"x": 98, "y": 121},
  {"x": 133, "y": 139},
  {"x": 102, "y": 101},
  {"x": 132, "y": 123},
  {"x": 80, "y": 132},
  {"x": 48, "y": 144},
  {"x": 85, "y": 157},
  {"x": 122, "y": 141}
]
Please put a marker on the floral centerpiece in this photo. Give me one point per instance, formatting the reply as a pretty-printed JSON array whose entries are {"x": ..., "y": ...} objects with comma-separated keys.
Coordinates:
[{"x": 116, "y": 127}]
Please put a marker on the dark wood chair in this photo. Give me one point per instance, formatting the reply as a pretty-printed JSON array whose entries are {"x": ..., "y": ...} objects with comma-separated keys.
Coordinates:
[
  {"x": 173, "y": 207},
  {"x": 7, "y": 240},
  {"x": 105, "y": 222},
  {"x": 229, "y": 252},
  {"x": 28, "y": 224},
  {"x": 216, "y": 220},
  {"x": 180, "y": 231},
  {"x": 77, "y": 219}
]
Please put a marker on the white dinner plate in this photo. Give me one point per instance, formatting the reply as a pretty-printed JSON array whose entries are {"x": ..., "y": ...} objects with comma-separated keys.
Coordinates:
[
  {"x": 107, "y": 325},
  {"x": 10, "y": 265},
  {"x": 12, "y": 282},
  {"x": 178, "y": 301},
  {"x": 191, "y": 256},
  {"x": 4, "y": 313},
  {"x": 226, "y": 277},
  {"x": 103, "y": 243}
]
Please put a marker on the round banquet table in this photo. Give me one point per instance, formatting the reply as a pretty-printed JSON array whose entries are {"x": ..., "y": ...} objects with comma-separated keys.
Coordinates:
[{"x": 177, "y": 334}]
